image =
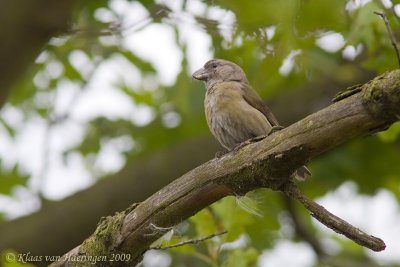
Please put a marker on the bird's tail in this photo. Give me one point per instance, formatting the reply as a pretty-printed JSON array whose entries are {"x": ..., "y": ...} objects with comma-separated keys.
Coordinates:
[{"x": 301, "y": 173}]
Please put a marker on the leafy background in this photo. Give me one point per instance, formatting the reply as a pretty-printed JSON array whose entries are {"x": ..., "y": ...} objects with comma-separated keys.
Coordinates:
[{"x": 96, "y": 102}]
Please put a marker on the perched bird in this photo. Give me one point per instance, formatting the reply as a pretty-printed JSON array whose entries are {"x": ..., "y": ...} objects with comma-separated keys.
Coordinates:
[{"x": 235, "y": 113}]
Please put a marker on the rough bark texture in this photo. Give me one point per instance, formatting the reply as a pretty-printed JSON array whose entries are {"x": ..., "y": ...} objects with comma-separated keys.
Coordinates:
[
  {"x": 26, "y": 27},
  {"x": 267, "y": 163},
  {"x": 74, "y": 218},
  {"x": 118, "y": 191}
]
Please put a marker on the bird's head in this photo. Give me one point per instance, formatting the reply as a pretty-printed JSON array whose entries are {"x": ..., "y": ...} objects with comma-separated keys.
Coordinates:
[{"x": 219, "y": 70}]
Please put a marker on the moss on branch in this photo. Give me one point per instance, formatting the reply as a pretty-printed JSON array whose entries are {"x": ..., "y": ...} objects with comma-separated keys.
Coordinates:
[{"x": 267, "y": 163}]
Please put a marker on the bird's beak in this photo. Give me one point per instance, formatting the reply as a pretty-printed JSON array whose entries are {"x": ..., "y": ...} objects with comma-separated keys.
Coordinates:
[{"x": 200, "y": 74}]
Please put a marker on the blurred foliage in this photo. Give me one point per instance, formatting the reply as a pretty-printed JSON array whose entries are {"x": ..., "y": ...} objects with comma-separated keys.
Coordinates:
[
  {"x": 259, "y": 38},
  {"x": 10, "y": 258},
  {"x": 11, "y": 178}
]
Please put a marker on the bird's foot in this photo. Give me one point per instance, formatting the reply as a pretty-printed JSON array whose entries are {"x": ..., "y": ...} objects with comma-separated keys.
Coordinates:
[
  {"x": 275, "y": 129},
  {"x": 257, "y": 138},
  {"x": 249, "y": 141},
  {"x": 219, "y": 154},
  {"x": 242, "y": 144}
]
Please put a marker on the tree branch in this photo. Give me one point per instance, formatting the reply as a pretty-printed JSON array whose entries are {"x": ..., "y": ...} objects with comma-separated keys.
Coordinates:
[
  {"x": 390, "y": 32},
  {"x": 333, "y": 222},
  {"x": 190, "y": 241},
  {"x": 126, "y": 187},
  {"x": 267, "y": 163}
]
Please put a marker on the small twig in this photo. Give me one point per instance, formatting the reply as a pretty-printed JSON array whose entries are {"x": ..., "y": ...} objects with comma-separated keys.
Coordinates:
[
  {"x": 390, "y": 32},
  {"x": 191, "y": 241},
  {"x": 332, "y": 221}
]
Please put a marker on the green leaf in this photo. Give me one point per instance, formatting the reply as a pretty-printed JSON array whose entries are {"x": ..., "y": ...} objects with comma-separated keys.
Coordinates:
[
  {"x": 369, "y": 162},
  {"x": 242, "y": 258},
  {"x": 204, "y": 223},
  {"x": 392, "y": 134},
  {"x": 262, "y": 13},
  {"x": 233, "y": 217},
  {"x": 365, "y": 27},
  {"x": 10, "y": 179},
  {"x": 310, "y": 13}
]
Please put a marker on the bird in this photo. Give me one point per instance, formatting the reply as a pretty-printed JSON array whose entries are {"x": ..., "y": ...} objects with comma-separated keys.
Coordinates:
[{"x": 235, "y": 113}]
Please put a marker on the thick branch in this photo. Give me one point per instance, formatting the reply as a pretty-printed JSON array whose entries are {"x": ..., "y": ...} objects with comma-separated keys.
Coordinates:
[
  {"x": 125, "y": 187},
  {"x": 267, "y": 163}
]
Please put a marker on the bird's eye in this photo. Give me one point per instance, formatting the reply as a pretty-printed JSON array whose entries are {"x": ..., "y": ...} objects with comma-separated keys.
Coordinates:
[{"x": 214, "y": 66}]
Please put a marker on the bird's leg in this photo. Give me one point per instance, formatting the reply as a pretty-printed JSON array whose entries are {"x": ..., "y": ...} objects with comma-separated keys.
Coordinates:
[
  {"x": 249, "y": 141},
  {"x": 257, "y": 138},
  {"x": 261, "y": 137}
]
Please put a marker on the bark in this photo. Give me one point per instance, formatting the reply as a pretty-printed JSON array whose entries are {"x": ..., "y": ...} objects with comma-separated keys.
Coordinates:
[
  {"x": 77, "y": 215},
  {"x": 60, "y": 226},
  {"x": 269, "y": 163}
]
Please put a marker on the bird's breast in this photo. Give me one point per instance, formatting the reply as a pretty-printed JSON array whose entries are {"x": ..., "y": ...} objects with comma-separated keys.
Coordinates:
[
  {"x": 227, "y": 112},
  {"x": 217, "y": 103}
]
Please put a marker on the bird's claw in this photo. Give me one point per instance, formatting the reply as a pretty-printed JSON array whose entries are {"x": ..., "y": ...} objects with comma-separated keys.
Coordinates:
[
  {"x": 257, "y": 138},
  {"x": 249, "y": 141},
  {"x": 219, "y": 154},
  {"x": 242, "y": 144}
]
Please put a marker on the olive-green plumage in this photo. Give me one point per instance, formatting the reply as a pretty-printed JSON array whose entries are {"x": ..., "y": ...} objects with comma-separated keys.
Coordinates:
[{"x": 234, "y": 111}]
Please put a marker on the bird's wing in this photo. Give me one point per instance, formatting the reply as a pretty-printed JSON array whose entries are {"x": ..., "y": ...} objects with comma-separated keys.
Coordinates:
[{"x": 254, "y": 100}]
